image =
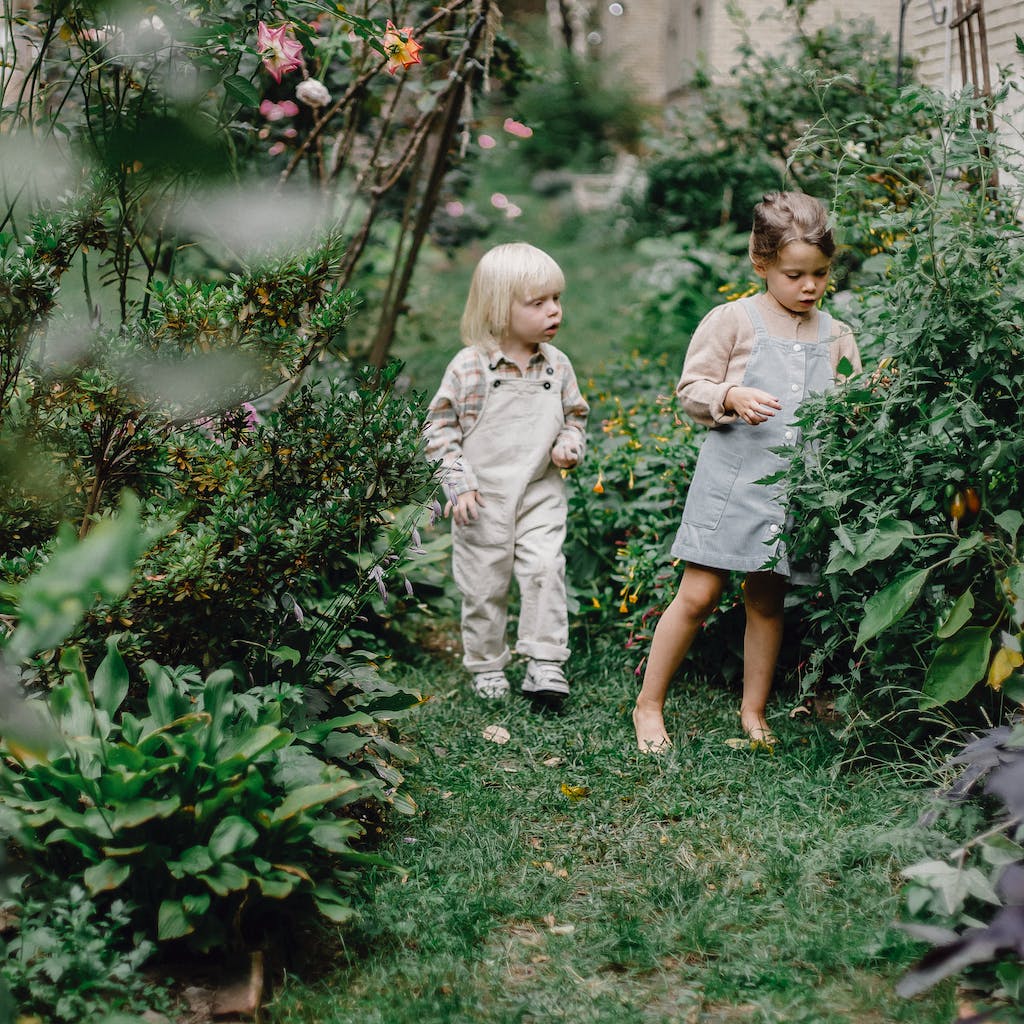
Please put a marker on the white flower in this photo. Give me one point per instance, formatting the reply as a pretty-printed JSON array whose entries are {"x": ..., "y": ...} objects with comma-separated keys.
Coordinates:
[{"x": 312, "y": 93}]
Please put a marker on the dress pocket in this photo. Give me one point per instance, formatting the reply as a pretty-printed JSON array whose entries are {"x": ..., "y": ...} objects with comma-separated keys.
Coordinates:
[{"x": 711, "y": 486}]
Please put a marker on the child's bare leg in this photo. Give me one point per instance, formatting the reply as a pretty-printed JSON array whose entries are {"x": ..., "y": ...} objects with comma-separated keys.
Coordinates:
[
  {"x": 764, "y": 594},
  {"x": 698, "y": 595}
]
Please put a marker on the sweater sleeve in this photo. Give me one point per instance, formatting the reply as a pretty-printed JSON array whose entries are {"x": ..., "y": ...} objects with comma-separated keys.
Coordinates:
[
  {"x": 444, "y": 429},
  {"x": 575, "y": 409},
  {"x": 706, "y": 380}
]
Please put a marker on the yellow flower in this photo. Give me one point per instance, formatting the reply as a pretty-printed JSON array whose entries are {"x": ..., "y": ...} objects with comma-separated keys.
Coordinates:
[{"x": 599, "y": 486}]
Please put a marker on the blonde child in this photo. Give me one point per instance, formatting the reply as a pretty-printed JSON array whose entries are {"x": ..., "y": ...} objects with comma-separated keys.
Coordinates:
[
  {"x": 749, "y": 365},
  {"x": 506, "y": 420}
]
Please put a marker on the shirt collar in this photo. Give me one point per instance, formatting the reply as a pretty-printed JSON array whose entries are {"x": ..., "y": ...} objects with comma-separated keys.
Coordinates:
[{"x": 541, "y": 355}]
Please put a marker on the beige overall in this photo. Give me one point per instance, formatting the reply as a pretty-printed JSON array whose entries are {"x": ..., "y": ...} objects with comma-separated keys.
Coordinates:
[{"x": 521, "y": 526}]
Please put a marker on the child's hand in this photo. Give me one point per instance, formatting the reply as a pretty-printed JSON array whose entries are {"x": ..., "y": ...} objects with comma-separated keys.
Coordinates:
[
  {"x": 752, "y": 405},
  {"x": 466, "y": 507},
  {"x": 565, "y": 455}
]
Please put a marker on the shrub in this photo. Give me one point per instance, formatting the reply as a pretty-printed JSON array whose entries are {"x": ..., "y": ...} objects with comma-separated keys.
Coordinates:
[
  {"x": 578, "y": 120},
  {"x": 70, "y": 963},
  {"x": 910, "y": 491},
  {"x": 195, "y": 800}
]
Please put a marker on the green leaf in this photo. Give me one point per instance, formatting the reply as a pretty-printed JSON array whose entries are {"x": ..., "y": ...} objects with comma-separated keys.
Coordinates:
[
  {"x": 844, "y": 367},
  {"x": 138, "y": 812},
  {"x": 890, "y": 604},
  {"x": 110, "y": 681},
  {"x": 286, "y": 654},
  {"x": 242, "y": 90},
  {"x": 231, "y": 835},
  {"x": 1011, "y": 521},
  {"x": 172, "y": 922},
  {"x": 53, "y": 600},
  {"x": 106, "y": 875},
  {"x": 958, "y": 616},
  {"x": 958, "y": 664},
  {"x": 226, "y": 878},
  {"x": 878, "y": 543},
  {"x": 312, "y": 796}
]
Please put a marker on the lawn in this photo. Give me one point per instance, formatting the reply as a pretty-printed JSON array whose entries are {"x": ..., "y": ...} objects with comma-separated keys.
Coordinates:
[{"x": 562, "y": 876}]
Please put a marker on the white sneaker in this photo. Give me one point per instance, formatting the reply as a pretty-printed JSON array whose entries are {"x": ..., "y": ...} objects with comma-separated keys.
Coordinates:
[
  {"x": 490, "y": 685},
  {"x": 545, "y": 680}
]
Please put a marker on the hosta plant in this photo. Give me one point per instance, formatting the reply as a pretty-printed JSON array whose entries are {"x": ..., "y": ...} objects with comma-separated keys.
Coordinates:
[{"x": 200, "y": 801}]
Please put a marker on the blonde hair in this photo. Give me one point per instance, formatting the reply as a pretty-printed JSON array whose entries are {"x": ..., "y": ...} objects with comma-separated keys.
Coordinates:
[
  {"x": 784, "y": 217},
  {"x": 504, "y": 274}
]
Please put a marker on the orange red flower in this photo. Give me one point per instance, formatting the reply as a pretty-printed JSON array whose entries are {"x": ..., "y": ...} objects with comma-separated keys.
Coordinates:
[{"x": 400, "y": 48}]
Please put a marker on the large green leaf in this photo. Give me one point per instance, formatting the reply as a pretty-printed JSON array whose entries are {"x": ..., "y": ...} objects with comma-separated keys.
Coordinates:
[
  {"x": 890, "y": 604},
  {"x": 53, "y": 601},
  {"x": 106, "y": 875},
  {"x": 231, "y": 835},
  {"x": 138, "y": 812},
  {"x": 958, "y": 664},
  {"x": 312, "y": 796},
  {"x": 110, "y": 680},
  {"x": 172, "y": 922},
  {"x": 226, "y": 878},
  {"x": 958, "y": 617}
]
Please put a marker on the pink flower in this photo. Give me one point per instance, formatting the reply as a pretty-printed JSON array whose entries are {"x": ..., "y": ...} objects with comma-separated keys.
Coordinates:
[
  {"x": 276, "y": 111},
  {"x": 499, "y": 201},
  {"x": 454, "y": 208},
  {"x": 486, "y": 142},
  {"x": 276, "y": 149},
  {"x": 517, "y": 128},
  {"x": 281, "y": 51},
  {"x": 401, "y": 49}
]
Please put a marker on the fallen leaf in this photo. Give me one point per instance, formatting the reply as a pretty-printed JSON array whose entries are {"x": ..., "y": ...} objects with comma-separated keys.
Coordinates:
[
  {"x": 553, "y": 762},
  {"x": 562, "y": 929},
  {"x": 497, "y": 734},
  {"x": 574, "y": 792}
]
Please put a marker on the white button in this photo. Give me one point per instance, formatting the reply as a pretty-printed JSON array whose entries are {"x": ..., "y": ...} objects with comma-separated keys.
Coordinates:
[
  {"x": 796, "y": 348},
  {"x": 775, "y": 528},
  {"x": 789, "y": 435},
  {"x": 795, "y": 387}
]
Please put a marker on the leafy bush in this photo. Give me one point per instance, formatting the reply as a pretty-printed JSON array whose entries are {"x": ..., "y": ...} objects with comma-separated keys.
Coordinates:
[
  {"x": 684, "y": 276},
  {"x": 969, "y": 903},
  {"x": 911, "y": 489},
  {"x": 698, "y": 191},
  {"x": 69, "y": 963},
  {"x": 197, "y": 801},
  {"x": 578, "y": 119},
  {"x": 757, "y": 129}
]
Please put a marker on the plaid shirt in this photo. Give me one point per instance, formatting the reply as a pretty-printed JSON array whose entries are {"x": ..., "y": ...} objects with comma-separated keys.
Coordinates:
[{"x": 460, "y": 399}]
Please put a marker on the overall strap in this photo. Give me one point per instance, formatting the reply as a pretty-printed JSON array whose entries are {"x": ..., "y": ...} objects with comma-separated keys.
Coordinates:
[
  {"x": 824, "y": 326},
  {"x": 760, "y": 331}
]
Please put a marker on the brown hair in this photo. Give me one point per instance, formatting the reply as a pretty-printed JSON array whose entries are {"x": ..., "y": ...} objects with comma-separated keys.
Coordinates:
[{"x": 784, "y": 217}]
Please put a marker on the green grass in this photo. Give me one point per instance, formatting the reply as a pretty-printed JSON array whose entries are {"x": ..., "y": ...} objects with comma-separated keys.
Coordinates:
[{"x": 706, "y": 886}]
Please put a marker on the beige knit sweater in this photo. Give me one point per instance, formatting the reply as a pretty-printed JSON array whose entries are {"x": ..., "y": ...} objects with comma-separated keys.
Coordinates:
[{"x": 721, "y": 345}]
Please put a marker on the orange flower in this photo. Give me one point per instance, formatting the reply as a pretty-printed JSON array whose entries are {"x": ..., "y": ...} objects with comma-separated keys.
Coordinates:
[{"x": 401, "y": 49}]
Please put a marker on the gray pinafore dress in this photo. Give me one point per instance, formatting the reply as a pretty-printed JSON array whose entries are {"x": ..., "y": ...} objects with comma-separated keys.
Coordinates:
[{"x": 730, "y": 521}]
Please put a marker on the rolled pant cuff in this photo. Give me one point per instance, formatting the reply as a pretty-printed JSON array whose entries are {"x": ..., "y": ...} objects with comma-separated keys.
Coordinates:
[
  {"x": 474, "y": 665},
  {"x": 543, "y": 652}
]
